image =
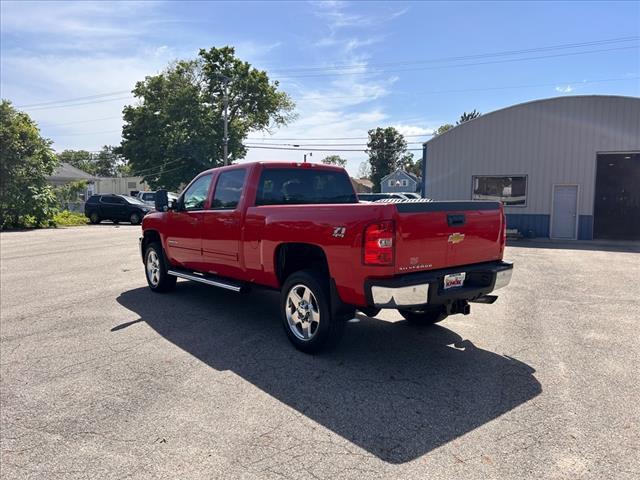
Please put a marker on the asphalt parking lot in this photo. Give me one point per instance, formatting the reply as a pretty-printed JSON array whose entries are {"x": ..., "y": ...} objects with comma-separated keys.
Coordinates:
[{"x": 100, "y": 378}]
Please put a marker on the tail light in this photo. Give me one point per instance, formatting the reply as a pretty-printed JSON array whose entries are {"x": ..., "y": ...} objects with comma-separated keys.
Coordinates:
[
  {"x": 378, "y": 243},
  {"x": 503, "y": 239}
]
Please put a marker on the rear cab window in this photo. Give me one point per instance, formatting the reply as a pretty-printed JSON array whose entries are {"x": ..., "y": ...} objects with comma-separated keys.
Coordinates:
[
  {"x": 303, "y": 186},
  {"x": 93, "y": 199},
  {"x": 229, "y": 189}
]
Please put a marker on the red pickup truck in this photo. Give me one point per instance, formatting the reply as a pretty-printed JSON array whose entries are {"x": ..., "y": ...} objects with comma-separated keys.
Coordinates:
[{"x": 300, "y": 228}]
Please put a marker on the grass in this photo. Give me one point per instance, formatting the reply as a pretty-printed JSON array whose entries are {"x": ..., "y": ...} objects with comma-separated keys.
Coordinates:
[{"x": 70, "y": 219}]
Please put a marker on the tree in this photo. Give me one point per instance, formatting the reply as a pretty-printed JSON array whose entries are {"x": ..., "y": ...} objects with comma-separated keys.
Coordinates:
[
  {"x": 176, "y": 129},
  {"x": 106, "y": 163},
  {"x": 81, "y": 159},
  {"x": 465, "y": 117},
  {"x": 26, "y": 159},
  {"x": 364, "y": 170},
  {"x": 387, "y": 151},
  {"x": 334, "y": 160},
  {"x": 443, "y": 128},
  {"x": 68, "y": 193}
]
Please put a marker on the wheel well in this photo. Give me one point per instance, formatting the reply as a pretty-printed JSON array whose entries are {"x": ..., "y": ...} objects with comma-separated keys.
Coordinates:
[
  {"x": 148, "y": 237},
  {"x": 292, "y": 257}
]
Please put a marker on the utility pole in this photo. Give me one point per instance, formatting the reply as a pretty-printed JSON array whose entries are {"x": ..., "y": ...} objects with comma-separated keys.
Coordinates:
[{"x": 225, "y": 138}]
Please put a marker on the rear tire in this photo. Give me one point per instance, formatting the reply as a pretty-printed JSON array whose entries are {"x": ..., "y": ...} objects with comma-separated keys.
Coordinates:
[
  {"x": 424, "y": 316},
  {"x": 306, "y": 312},
  {"x": 155, "y": 270},
  {"x": 135, "y": 218},
  {"x": 94, "y": 218}
]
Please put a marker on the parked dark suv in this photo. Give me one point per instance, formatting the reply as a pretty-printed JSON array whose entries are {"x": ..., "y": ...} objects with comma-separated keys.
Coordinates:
[{"x": 116, "y": 208}]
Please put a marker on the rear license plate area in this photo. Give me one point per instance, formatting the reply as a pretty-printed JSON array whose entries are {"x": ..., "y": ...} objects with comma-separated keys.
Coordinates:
[{"x": 454, "y": 280}]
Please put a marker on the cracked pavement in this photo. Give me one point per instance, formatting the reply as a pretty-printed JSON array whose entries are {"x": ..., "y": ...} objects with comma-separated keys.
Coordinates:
[{"x": 100, "y": 378}]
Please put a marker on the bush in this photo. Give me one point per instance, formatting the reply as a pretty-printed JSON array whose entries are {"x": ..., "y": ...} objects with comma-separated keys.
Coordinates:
[
  {"x": 26, "y": 159},
  {"x": 70, "y": 219}
]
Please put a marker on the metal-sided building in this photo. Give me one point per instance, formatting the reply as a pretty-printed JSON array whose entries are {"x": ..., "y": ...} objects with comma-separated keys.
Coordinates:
[{"x": 566, "y": 167}]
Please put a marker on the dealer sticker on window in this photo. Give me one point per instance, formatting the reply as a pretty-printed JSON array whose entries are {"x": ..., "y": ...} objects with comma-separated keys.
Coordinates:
[{"x": 454, "y": 280}]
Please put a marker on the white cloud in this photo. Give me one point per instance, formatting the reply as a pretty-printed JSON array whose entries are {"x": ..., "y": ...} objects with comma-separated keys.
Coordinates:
[
  {"x": 564, "y": 88},
  {"x": 405, "y": 129}
]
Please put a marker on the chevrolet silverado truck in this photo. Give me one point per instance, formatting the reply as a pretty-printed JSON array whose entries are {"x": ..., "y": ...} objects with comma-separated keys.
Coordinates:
[{"x": 299, "y": 228}]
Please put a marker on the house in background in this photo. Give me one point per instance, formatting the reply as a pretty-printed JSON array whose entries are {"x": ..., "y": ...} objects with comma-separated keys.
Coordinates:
[
  {"x": 66, "y": 174},
  {"x": 362, "y": 185},
  {"x": 400, "y": 181}
]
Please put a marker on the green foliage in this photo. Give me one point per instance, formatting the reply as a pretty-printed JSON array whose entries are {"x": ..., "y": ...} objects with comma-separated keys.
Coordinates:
[
  {"x": 334, "y": 160},
  {"x": 465, "y": 117},
  {"x": 387, "y": 151},
  {"x": 176, "y": 130},
  {"x": 69, "y": 193},
  {"x": 69, "y": 219},
  {"x": 81, "y": 159},
  {"x": 26, "y": 159},
  {"x": 443, "y": 128},
  {"x": 106, "y": 163}
]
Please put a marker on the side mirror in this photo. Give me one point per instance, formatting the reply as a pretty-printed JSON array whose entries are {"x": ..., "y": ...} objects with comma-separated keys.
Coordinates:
[{"x": 162, "y": 201}]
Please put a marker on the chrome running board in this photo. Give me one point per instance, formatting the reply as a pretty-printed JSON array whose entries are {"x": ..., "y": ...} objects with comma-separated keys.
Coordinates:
[{"x": 215, "y": 282}]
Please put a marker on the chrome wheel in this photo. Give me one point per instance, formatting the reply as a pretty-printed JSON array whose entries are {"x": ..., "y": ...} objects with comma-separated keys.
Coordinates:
[
  {"x": 303, "y": 312},
  {"x": 153, "y": 268},
  {"x": 134, "y": 219}
]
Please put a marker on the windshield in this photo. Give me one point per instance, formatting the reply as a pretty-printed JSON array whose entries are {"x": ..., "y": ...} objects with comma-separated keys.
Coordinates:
[
  {"x": 133, "y": 200},
  {"x": 296, "y": 186}
]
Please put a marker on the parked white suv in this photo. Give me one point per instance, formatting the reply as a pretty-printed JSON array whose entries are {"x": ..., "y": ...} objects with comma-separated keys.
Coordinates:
[{"x": 150, "y": 197}]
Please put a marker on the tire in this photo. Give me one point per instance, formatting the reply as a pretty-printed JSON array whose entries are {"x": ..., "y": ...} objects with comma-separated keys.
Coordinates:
[
  {"x": 116, "y": 222},
  {"x": 94, "y": 218},
  {"x": 155, "y": 270},
  {"x": 425, "y": 316},
  {"x": 135, "y": 218},
  {"x": 306, "y": 312}
]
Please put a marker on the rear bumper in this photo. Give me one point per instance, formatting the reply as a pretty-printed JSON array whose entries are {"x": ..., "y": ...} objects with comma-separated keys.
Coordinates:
[{"x": 415, "y": 289}]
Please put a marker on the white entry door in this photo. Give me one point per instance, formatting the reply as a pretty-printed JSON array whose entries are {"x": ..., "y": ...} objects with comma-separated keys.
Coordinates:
[{"x": 565, "y": 212}]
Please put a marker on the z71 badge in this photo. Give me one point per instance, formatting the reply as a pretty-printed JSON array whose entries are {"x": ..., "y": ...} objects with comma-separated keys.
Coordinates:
[{"x": 339, "y": 232}]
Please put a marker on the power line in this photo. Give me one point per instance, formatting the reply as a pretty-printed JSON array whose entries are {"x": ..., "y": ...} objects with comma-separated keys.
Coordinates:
[
  {"x": 53, "y": 103},
  {"x": 89, "y": 97},
  {"x": 463, "y": 57},
  {"x": 424, "y": 92},
  {"x": 379, "y": 71}
]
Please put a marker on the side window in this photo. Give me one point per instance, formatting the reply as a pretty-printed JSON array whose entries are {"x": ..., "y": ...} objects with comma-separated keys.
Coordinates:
[
  {"x": 196, "y": 194},
  {"x": 229, "y": 189}
]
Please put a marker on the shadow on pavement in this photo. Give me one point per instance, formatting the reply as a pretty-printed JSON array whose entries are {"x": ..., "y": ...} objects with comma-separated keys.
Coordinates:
[
  {"x": 629, "y": 246},
  {"x": 394, "y": 390}
]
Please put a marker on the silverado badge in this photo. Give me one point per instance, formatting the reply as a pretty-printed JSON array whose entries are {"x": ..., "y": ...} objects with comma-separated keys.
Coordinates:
[{"x": 456, "y": 238}]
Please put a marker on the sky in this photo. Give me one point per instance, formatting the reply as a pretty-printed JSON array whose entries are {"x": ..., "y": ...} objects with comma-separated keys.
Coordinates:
[{"x": 348, "y": 66}]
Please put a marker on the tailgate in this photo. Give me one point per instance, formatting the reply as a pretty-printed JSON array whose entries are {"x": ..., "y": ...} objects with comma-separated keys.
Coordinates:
[{"x": 432, "y": 235}]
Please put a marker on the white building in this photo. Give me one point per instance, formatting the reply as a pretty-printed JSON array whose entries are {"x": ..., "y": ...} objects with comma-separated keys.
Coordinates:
[{"x": 566, "y": 167}]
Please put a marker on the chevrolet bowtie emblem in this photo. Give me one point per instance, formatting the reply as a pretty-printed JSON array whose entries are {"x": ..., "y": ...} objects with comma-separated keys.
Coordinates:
[{"x": 456, "y": 238}]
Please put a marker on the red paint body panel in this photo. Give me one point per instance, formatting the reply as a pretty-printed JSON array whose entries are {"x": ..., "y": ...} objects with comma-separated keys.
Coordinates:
[{"x": 242, "y": 243}]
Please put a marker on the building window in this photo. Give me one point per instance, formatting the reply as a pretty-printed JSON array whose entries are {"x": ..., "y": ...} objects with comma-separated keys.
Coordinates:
[
  {"x": 131, "y": 185},
  {"x": 512, "y": 191},
  {"x": 404, "y": 183},
  {"x": 392, "y": 183}
]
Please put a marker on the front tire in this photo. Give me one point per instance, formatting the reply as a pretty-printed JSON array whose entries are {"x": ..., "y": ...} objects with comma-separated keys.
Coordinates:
[
  {"x": 155, "y": 270},
  {"x": 306, "y": 312},
  {"x": 135, "y": 218},
  {"x": 424, "y": 316}
]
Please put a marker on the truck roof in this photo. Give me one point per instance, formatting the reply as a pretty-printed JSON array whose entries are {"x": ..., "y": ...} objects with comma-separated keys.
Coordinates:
[{"x": 276, "y": 164}]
